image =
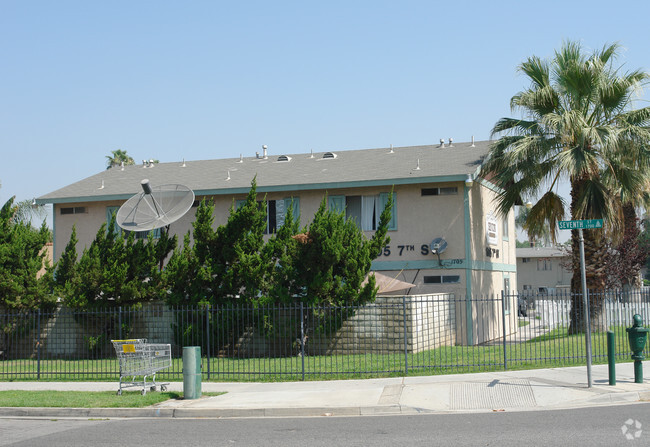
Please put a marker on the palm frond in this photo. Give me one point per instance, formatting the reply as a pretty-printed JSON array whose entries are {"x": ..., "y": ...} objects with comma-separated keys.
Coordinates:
[{"x": 545, "y": 214}]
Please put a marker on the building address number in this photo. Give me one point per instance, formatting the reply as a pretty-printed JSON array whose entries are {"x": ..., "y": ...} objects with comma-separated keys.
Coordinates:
[{"x": 400, "y": 250}]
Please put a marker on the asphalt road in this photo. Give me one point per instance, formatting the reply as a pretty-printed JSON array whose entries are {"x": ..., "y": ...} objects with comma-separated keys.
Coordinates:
[{"x": 587, "y": 426}]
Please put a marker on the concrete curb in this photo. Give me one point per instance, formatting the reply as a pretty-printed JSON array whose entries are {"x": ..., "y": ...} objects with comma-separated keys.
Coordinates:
[{"x": 217, "y": 413}]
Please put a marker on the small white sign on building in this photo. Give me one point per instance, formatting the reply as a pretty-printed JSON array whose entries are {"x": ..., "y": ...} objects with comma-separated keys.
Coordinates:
[{"x": 491, "y": 229}]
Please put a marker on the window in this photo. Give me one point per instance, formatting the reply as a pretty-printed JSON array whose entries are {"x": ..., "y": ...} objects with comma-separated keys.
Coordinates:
[
  {"x": 544, "y": 264},
  {"x": 74, "y": 210},
  {"x": 276, "y": 211},
  {"x": 110, "y": 210},
  {"x": 364, "y": 210},
  {"x": 447, "y": 191},
  {"x": 525, "y": 260},
  {"x": 442, "y": 279}
]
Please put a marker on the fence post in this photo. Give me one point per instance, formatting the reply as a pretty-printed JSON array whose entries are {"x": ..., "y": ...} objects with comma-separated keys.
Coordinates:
[
  {"x": 406, "y": 348},
  {"x": 207, "y": 336},
  {"x": 503, "y": 318},
  {"x": 302, "y": 339},
  {"x": 119, "y": 322},
  {"x": 38, "y": 345}
]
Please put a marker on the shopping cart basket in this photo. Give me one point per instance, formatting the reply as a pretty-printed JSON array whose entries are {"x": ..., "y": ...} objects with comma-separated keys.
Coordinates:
[{"x": 141, "y": 359}]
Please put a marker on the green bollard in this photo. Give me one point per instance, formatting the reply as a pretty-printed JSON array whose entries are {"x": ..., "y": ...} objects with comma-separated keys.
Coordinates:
[
  {"x": 611, "y": 356},
  {"x": 637, "y": 335},
  {"x": 191, "y": 372}
]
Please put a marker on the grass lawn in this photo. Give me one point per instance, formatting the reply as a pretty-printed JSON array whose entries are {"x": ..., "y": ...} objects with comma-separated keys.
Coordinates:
[
  {"x": 86, "y": 399},
  {"x": 555, "y": 348}
]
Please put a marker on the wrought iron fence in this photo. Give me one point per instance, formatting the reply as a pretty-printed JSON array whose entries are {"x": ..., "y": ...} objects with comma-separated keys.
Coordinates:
[{"x": 432, "y": 334}]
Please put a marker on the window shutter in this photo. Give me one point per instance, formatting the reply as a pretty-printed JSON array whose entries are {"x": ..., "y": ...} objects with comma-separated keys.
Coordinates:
[
  {"x": 293, "y": 202},
  {"x": 336, "y": 203},
  {"x": 383, "y": 199},
  {"x": 109, "y": 215}
]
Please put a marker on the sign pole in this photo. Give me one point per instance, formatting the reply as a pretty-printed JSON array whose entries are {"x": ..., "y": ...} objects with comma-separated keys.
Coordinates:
[
  {"x": 580, "y": 225},
  {"x": 585, "y": 299}
]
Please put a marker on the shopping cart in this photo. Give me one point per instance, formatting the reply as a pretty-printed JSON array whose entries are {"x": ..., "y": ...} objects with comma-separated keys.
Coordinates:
[{"x": 141, "y": 359}]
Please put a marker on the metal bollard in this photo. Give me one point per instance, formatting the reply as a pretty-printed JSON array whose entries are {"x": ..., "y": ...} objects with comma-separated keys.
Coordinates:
[
  {"x": 611, "y": 356},
  {"x": 191, "y": 372}
]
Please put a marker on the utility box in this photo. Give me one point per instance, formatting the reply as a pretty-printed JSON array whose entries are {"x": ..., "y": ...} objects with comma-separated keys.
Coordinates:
[{"x": 191, "y": 372}]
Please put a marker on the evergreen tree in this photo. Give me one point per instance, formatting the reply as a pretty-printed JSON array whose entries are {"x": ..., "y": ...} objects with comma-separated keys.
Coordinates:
[
  {"x": 223, "y": 265},
  {"x": 22, "y": 256},
  {"x": 335, "y": 258},
  {"x": 22, "y": 290},
  {"x": 113, "y": 271}
]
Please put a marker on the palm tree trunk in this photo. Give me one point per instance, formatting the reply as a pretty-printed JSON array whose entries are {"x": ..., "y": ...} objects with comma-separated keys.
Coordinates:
[
  {"x": 595, "y": 270},
  {"x": 630, "y": 239}
]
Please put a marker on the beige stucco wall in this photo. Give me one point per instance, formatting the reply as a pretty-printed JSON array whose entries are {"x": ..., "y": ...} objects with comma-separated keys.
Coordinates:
[
  {"x": 487, "y": 257},
  {"x": 420, "y": 219}
]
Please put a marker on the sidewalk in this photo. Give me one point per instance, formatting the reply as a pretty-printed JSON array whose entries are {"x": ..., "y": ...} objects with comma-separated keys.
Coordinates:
[{"x": 540, "y": 389}]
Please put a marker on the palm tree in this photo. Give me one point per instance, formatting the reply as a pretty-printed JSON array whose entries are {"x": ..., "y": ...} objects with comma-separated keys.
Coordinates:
[
  {"x": 118, "y": 157},
  {"x": 521, "y": 221},
  {"x": 578, "y": 120}
]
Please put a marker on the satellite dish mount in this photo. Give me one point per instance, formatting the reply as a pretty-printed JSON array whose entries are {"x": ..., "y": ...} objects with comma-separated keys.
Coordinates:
[
  {"x": 438, "y": 247},
  {"x": 154, "y": 208}
]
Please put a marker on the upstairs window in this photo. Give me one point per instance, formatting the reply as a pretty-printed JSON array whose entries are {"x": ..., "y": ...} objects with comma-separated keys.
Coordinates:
[
  {"x": 446, "y": 191},
  {"x": 74, "y": 210},
  {"x": 276, "y": 211},
  {"x": 365, "y": 211}
]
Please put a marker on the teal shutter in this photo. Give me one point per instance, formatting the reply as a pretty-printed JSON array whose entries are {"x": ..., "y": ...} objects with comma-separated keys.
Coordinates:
[
  {"x": 294, "y": 202},
  {"x": 383, "y": 199},
  {"x": 336, "y": 203},
  {"x": 110, "y": 210}
]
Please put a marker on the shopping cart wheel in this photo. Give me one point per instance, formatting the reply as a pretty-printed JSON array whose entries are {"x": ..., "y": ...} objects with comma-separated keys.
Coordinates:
[
  {"x": 163, "y": 387},
  {"x": 153, "y": 388},
  {"x": 119, "y": 392},
  {"x": 144, "y": 391}
]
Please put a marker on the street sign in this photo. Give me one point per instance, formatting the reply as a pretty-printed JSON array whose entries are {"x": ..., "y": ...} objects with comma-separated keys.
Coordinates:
[
  {"x": 580, "y": 225},
  {"x": 586, "y": 224}
]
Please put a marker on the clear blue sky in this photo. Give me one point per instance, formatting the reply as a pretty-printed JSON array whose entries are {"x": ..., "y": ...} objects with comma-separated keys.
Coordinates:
[{"x": 210, "y": 79}]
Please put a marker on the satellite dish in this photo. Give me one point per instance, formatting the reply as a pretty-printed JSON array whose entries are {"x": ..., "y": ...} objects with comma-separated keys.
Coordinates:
[
  {"x": 155, "y": 207},
  {"x": 438, "y": 246}
]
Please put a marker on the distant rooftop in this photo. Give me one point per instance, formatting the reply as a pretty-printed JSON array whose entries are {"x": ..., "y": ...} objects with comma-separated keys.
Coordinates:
[
  {"x": 285, "y": 172},
  {"x": 540, "y": 252}
]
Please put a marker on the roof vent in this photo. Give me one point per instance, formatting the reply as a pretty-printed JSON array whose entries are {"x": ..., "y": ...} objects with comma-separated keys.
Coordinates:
[
  {"x": 329, "y": 155},
  {"x": 312, "y": 154},
  {"x": 284, "y": 158},
  {"x": 391, "y": 149},
  {"x": 451, "y": 140},
  {"x": 473, "y": 142},
  {"x": 241, "y": 158}
]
